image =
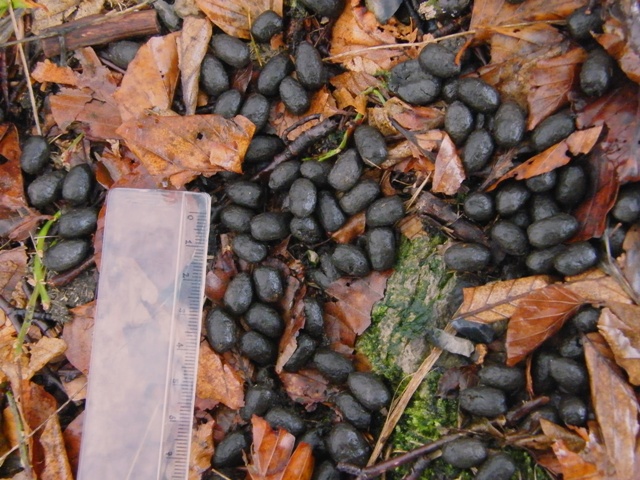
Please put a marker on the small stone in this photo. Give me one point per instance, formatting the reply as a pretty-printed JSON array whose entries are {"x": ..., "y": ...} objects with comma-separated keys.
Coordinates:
[
  {"x": 385, "y": 212},
  {"x": 65, "y": 255},
  {"x": 369, "y": 390},
  {"x": 35, "y": 154},
  {"x": 306, "y": 347},
  {"x": 476, "y": 332},
  {"x": 332, "y": 365},
  {"x": 352, "y": 411},
  {"x": 511, "y": 197},
  {"x": 222, "y": 331},
  {"x": 309, "y": 67},
  {"x": 509, "y": 237},
  {"x": 284, "y": 175},
  {"x": 346, "y": 171},
  {"x": 370, "y": 145},
  {"x": 266, "y": 25},
  {"x": 228, "y": 104},
  {"x": 346, "y": 444},
  {"x": 239, "y": 294},
  {"x": 237, "y": 218},
  {"x": 213, "y": 76},
  {"x": 439, "y": 61},
  {"x": 303, "y": 197},
  {"x": 78, "y": 222},
  {"x": 279, "y": 417},
  {"x": 483, "y": 401},
  {"x": 507, "y": 379},
  {"x": 258, "y": 348},
  {"x": 329, "y": 212},
  {"x": 264, "y": 319},
  {"x": 458, "y": 121},
  {"x": 350, "y": 260},
  {"x": 509, "y": 125},
  {"x": 270, "y": 226},
  {"x": 230, "y": 50},
  {"x": 256, "y": 108},
  {"x": 268, "y": 284},
  {"x": 359, "y": 197},
  {"x": 228, "y": 453},
  {"x": 552, "y": 230},
  {"x": 478, "y": 94},
  {"x": 552, "y": 130},
  {"x": 570, "y": 375},
  {"x": 576, "y": 258},
  {"x": 272, "y": 74},
  {"x": 479, "y": 206},
  {"x": 467, "y": 257},
  {"x": 381, "y": 248},
  {"x": 294, "y": 96},
  {"x": 464, "y": 452},
  {"x": 498, "y": 467}
]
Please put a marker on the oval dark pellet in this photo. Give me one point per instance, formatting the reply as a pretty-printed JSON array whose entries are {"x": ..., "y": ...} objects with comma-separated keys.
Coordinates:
[
  {"x": 511, "y": 197},
  {"x": 303, "y": 197},
  {"x": 306, "y": 229},
  {"x": 543, "y": 206},
  {"x": 294, "y": 96},
  {"x": 263, "y": 148},
  {"x": 306, "y": 347},
  {"x": 230, "y": 50},
  {"x": 532, "y": 421},
  {"x": 316, "y": 171},
  {"x": 245, "y": 193},
  {"x": 257, "y": 401},
  {"x": 420, "y": 88},
  {"x": 478, "y": 94},
  {"x": 272, "y": 74},
  {"x": 256, "y": 108},
  {"x": 239, "y": 294},
  {"x": 551, "y": 130},
  {"x": 370, "y": 145},
  {"x": 520, "y": 219},
  {"x": 573, "y": 411},
  {"x": 309, "y": 67},
  {"x": 329, "y": 212},
  {"x": 284, "y": 175},
  {"x": 474, "y": 331},
  {"x": 65, "y": 254},
  {"x": 505, "y": 378},
  {"x": 477, "y": 150},
  {"x": 324, "y": 8},
  {"x": 580, "y": 24},
  {"x": 228, "y": 453},
  {"x": 352, "y": 411},
  {"x": 438, "y": 60},
  {"x": 346, "y": 444},
  {"x": 346, "y": 172},
  {"x": 479, "y": 206},
  {"x": 571, "y": 347},
  {"x": 35, "y": 154},
  {"x": 266, "y": 25},
  {"x": 268, "y": 284},
  {"x": 576, "y": 258},
  {"x": 45, "y": 189},
  {"x": 221, "y": 330},
  {"x": 451, "y": 8},
  {"x": 402, "y": 72},
  {"x": 279, "y": 417},
  {"x": 627, "y": 206},
  {"x": 458, "y": 121},
  {"x": 596, "y": 73},
  {"x": 228, "y": 104},
  {"x": 450, "y": 90},
  {"x": 168, "y": 16},
  {"x": 385, "y": 211},
  {"x": 359, "y": 197},
  {"x": 571, "y": 186},
  {"x": 270, "y": 226},
  {"x": 510, "y": 238},
  {"x": 467, "y": 257},
  {"x": 570, "y": 375},
  {"x": 213, "y": 76},
  {"x": 509, "y": 125},
  {"x": 381, "y": 248},
  {"x": 369, "y": 390},
  {"x": 264, "y": 319},
  {"x": 350, "y": 260},
  {"x": 122, "y": 53},
  {"x": 586, "y": 320},
  {"x": 497, "y": 467},
  {"x": 78, "y": 222},
  {"x": 77, "y": 184},
  {"x": 326, "y": 471},
  {"x": 483, "y": 401},
  {"x": 464, "y": 452},
  {"x": 541, "y": 261},
  {"x": 543, "y": 182},
  {"x": 552, "y": 231},
  {"x": 314, "y": 317},
  {"x": 237, "y": 218},
  {"x": 332, "y": 365},
  {"x": 258, "y": 348}
]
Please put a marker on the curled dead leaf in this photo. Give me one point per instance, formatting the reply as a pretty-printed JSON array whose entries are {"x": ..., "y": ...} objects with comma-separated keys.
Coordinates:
[
  {"x": 235, "y": 18},
  {"x": 192, "y": 46},
  {"x": 218, "y": 380},
  {"x": 619, "y": 324},
  {"x": 449, "y": 172}
]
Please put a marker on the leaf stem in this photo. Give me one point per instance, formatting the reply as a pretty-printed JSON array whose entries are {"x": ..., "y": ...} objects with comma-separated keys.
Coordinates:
[{"x": 24, "y": 452}]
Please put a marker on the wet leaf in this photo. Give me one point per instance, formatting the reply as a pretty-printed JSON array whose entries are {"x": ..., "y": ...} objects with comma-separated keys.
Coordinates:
[
  {"x": 357, "y": 29},
  {"x": 498, "y": 300},
  {"x": 501, "y": 12},
  {"x": 449, "y": 173},
  {"x": 353, "y": 228},
  {"x": 322, "y": 103},
  {"x": 306, "y": 386},
  {"x": 13, "y": 267},
  {"x": 538, "y": 317},
  {"x": 350, "y": 88},
  {"x": 420, "y": 120},
  {"x": 301, "y": 464},
  {"x": 151, "y": 79},
  {"x": 217, "y": 380},
  {"x": 192, "y": 46},
  {"x": 620, "y": 325},
  {"x": 555, "y": 156},
  {"x": 78, "y": 335},
  {"x": 235, "y": 18},
  {"x": 201, "y": 449},
  {"x": 620, "y": 37},
  {"x": 48, "y": 71},
  {"x": 630, "y": 263},
  {"x": 616, "y": 408},
  {"x": 350, "y": 314},
  {"x": 619, "y": 111},
  {"x": 596, "y": 287},
  {"x": 181, "y": 148}
]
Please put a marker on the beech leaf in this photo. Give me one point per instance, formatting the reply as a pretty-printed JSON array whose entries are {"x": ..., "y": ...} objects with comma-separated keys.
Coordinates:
[
  {"x": 620, "y": 37},
  {"x": 538, "y": 316},
  {"x": 620, "y": 326},
  {"x": 501, "y": 12},
  {"x": 306, "y": 386},
  {"x": 353, "y": 228},
  {"x": 350, "y": 88},
  {"x": 322, "y": 103},
  {"x": 192, "y": 47},
  {"x": 235, "y": 18},
  {"x": 449, "y": 172},
  {"x": 217, "y": 380},
  {"x": 596, "y": 287},
  {"x": 13, "y": 267},
  {"x": 616, "y": 408},
  {"x": 201, "y": 449}
]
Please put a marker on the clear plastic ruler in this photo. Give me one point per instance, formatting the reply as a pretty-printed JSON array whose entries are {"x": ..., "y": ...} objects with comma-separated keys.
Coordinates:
[{"x": 144, "y": 358}]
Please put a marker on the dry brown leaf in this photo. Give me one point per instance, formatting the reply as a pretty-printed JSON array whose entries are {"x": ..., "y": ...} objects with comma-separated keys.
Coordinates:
[
  {"x": 596, "y": 287},
  {"x": 500, "y": 12},
  {"x": 13, "y": 267},
  {"x": 38, "y": 407},
  {"x": 201, "y": 449},
  {"x": 48, "y": 71},
  {"x": 420, "y": 120},
  {"x": 217, "y": 380},
  {"x": 522, "y": 41},
  {"x": 620, "y": 326},
  {"x": 181, "y": 148},
  {"x": 301, "y": 463},
  {"x": 151, "y": 78},
  {"x": 357, "y": 29},
  {"x": 353, "y": 228},
  {"x": 235, "y": 18},
  {"x": 449, "y": 172},
  {"x": 78, "y": 335},
  {"x": 118, "y": 167},
  {"x": 498, "y": 300},
  {"x": 616, "y": 408},
  {"x": 322, "y": 103},
  {"x": 538, "y": 316},
  {"x": 41, "y": 353},
  {"x": 620, "y": 37},
  {"x": 56, "y": 463},
  {"x": 350, "y": 88},
  {"x": 555, "y": 156},
  {"x": 630, "y": 262},
  {"x": 11, "y": 182},
  {"x": 72, "y": 436},
  {"x": 306, "y": 386},
  {"x": 192, "y": 46}
]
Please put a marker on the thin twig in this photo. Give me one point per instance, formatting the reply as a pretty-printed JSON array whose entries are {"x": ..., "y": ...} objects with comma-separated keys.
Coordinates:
[
  {"x": 25, "y": 67},
  {"x": 22, "y": 438}
]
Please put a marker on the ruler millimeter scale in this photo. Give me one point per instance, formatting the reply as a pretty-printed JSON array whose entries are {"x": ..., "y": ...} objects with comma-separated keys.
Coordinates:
[{"x": 146, "y": 336}]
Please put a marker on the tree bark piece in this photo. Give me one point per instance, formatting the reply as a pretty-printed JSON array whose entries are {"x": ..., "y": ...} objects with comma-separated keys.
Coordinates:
[{"x": 99, "y": 30}]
